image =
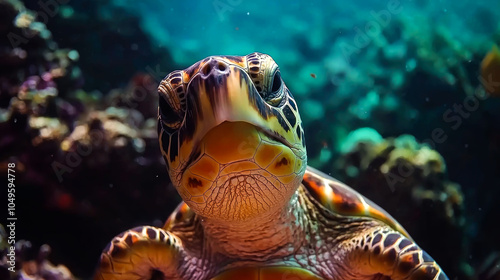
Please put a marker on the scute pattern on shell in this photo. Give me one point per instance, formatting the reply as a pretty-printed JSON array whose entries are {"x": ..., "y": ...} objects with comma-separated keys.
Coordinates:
[{"x": 343, "y": 200}]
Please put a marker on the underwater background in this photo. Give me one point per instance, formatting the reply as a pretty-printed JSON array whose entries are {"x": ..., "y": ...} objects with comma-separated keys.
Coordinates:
[{"x": 400, "y": 100}]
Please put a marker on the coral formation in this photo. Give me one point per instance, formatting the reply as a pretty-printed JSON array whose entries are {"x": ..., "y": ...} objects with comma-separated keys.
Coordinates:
[
  {"x": 57, "y": 134},
  {"x": 490, "y": 71},
  {"x": 408, "y": 179},
  {"x": 30, "y": 58},
  {"x": 108, "y": 40},
  {"x": 24, "y": 266}
]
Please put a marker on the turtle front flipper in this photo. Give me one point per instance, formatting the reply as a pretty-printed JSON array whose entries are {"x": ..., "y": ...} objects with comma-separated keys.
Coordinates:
[
  {"x": 141, "y": 253},
  {"x": 383, "y": 251}
]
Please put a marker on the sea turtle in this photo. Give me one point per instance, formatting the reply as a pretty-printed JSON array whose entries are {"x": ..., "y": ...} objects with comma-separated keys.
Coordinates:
[{"x": 233, "y": 142}]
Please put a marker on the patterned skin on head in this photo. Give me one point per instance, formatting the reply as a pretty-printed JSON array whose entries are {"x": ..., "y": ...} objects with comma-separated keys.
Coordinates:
[{"x": 218, "y": 120}]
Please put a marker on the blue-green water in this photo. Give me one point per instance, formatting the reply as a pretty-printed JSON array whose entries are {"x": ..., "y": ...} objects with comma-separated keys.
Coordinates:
[{"x": 401, "y": 77}]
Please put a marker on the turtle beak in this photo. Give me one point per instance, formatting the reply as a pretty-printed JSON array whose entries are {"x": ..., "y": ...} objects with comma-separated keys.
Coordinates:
[{"x": 222, "y": 92}]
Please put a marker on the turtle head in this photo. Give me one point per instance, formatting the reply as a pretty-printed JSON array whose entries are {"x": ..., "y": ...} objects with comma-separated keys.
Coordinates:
[{"x": 231, "y": 136}]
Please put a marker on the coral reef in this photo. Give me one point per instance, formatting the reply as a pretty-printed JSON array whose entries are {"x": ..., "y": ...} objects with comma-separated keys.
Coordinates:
[
  {"x": 107, "y": 39},
  {"x": 114, "y": 148},
  {"x": 30, "y": 57},
  {"x": 82, "y": 158},
  {"x": 25, "y": 266},
  {"x": 408, "y": 179},
  {"x": 78, "y": 108}
]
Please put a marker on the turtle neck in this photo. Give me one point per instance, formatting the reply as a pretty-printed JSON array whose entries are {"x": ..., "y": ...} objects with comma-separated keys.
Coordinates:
[{"x": 276, "y": 234}]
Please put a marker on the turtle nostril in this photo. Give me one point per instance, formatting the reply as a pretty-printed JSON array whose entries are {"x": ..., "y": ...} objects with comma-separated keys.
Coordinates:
[
  {"x": 206, "y": 69},
  {"x": 213, "y": 67},
  {"x": 221, "y": 66},
  {"x": 157, "y": 274}
]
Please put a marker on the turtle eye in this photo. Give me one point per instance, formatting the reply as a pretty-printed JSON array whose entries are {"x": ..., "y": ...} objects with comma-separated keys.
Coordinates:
[
  {"x": 266, "y": 77},
  {"x": 171, "y": 105},
  {"x": 276, "y": 85},
  {"x": 274, "y": 96},
  {"x": 167, "y": 114}
]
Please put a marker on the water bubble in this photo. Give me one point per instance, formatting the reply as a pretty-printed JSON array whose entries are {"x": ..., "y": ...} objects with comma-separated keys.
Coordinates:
[
  {"x": 411, "y": 65},
  {"x": 67, "y": 11},
  {"x": 73, "y": 55}
]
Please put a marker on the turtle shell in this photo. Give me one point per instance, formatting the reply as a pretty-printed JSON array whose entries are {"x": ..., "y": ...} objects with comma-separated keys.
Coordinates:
[{"x": 343, "y": 200}]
